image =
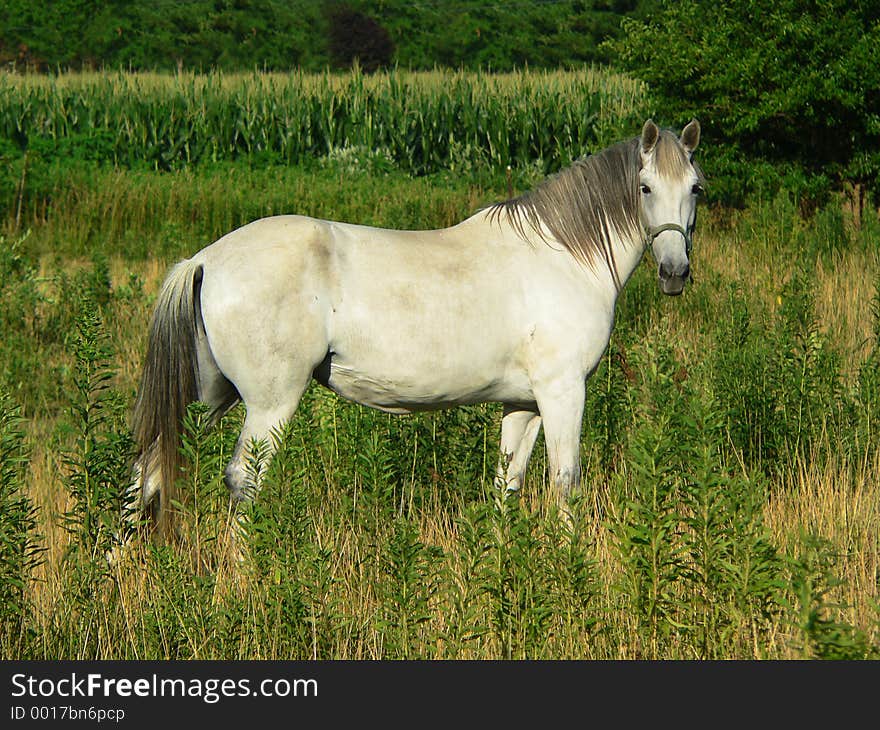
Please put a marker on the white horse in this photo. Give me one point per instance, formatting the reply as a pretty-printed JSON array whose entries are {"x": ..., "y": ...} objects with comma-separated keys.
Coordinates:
[{"x": 513, "y": 305}]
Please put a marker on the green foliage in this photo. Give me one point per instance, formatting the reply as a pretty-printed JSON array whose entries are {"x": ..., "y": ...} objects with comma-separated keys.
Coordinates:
[
  {"x": 775, "y": 375},
  {"x": 39, "y": 321},
  {"x": 825, "y": 634},
  {"x": 607, "y": 409},
  {"x": 20, "y": 545},
  {"x": 179, "y": 610},
  {"x": 97, "y": 468},
  {"x": 497, "y": 36},
  {"x": 281, "y": 542},
  {"x": 806, "y": 373},
  {"x": 81, "y": 212},
  {"x": 520, "y": 610},
  {"x": 464, "y": 580},
  {"x": 163, "y": 35},
  {"x": 100, "y": 460},
  {"x": 407, "y": 582},
  {"x": 869, "y": 384},
  {"x": 789, "y": 83},
  {"x": 201, "y": 492},
  {"x": 276, "y": 35},
  {"x": 20, "y": 318},
  {"x": 698, "y": 564},
  {"x": 734, "y": 573},
  {"x": 645, "y": 529}
]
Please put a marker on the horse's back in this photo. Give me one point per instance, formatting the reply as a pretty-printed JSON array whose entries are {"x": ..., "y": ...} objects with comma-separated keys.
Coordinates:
[
  {"x": 416, "y": 274},
  {"x": 276, "y": 242}
]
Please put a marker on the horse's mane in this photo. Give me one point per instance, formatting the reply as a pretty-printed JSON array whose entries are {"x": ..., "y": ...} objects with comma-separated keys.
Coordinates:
[{"x": 586, "y": 205}]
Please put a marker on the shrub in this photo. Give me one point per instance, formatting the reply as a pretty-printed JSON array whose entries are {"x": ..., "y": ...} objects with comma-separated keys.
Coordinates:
[{"x": 791, "y": 83}]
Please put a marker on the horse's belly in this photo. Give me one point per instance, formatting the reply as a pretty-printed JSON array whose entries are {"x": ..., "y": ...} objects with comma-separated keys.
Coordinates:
[{"x": 431, "y": 391}]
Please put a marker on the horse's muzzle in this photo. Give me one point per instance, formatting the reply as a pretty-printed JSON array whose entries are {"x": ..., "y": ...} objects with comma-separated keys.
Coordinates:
[{"x": 672, "y": 281}]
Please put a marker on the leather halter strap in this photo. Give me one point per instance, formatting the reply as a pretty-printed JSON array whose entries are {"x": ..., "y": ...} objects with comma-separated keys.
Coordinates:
[{"x": 652, "y": 232}]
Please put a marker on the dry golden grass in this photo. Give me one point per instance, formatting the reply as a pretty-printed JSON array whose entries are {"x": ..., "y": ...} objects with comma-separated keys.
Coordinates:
[{"x": 840, "y": 503}]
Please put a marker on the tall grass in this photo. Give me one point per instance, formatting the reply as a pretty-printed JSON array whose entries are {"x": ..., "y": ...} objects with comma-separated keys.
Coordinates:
[
  {"x": 82, "y": 211},
  {"x": 729, "y": 510},
  {"x": 730, "y": 451}
]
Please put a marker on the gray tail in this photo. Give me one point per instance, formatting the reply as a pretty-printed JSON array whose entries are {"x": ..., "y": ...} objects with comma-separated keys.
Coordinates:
[{"x": 170, "y": 382}]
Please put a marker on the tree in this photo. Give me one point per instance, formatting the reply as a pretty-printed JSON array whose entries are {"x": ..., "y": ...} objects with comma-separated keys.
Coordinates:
[
  {"x": 356, "y": 38},
  {"x": 792, "y": 83}
]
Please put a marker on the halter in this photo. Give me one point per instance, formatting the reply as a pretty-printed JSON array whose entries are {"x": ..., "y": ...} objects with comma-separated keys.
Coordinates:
[{"x": 652, "y": 233}]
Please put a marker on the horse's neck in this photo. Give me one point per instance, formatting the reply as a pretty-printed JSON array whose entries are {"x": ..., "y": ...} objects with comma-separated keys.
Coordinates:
[
  {"x": 627, "y": 253},
  {"x": 627, "y": 256},
  {"x": 608, "y": 283}
]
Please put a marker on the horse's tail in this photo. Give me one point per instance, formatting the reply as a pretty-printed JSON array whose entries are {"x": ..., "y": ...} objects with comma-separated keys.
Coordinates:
[{"x": 170, "y": 382}]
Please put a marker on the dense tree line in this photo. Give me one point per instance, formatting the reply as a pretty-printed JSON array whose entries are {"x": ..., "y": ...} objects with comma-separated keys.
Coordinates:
[{"x": 309, "y": 34}]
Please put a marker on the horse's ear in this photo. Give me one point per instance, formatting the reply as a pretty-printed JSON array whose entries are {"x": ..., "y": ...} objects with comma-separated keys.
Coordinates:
[
  {"x": 690, "y": 136},
  {"x": 650, "y": 135}
]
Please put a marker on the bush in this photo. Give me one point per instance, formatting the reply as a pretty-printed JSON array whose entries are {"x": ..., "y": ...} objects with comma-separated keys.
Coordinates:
[{"x": 799, "y": 89}]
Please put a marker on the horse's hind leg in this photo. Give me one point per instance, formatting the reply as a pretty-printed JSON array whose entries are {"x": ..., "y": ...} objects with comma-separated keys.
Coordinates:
[
  {"x": 519, "y": 430},
  {"x": 259, "y": 430},
  {"x": 140, "y": 498},
  {"x": 270, "y": 404},
  {"x": 256, "y": 444}
]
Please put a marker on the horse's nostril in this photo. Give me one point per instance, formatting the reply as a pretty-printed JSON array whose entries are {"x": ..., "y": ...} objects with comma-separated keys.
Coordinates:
[{"x": 667, "y": 271}]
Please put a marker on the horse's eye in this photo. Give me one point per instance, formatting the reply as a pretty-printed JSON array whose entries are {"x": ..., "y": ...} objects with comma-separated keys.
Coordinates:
[
  {"x": 646, "y": 190},
  {"x": 697, "y": 189}
]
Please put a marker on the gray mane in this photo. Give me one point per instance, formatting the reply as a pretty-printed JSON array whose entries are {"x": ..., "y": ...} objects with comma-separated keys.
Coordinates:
[{"x": 594, "y": 200}]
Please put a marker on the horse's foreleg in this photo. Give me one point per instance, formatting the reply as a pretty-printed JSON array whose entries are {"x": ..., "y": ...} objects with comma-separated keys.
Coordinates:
[
  {"x": 519, "y": 430},
  {"x": 562, "y": 408}
]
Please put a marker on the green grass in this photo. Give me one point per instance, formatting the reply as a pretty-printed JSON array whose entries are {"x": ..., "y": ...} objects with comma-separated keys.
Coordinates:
[
  {"x": 728, "y": 446},
  {"x": 85, "y": 210},
  {"x": 730, "y": 449}
]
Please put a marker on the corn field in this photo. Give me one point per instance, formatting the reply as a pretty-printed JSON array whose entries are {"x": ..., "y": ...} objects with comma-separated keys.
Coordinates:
[{"x": 421, "y": 123}]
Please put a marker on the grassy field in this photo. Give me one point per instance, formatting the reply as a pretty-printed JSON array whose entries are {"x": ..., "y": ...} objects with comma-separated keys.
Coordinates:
[{"x": 730, "y": 446}]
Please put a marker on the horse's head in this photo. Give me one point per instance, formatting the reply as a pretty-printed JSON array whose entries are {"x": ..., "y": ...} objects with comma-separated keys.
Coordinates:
[{"x": 669, "y": 184}]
